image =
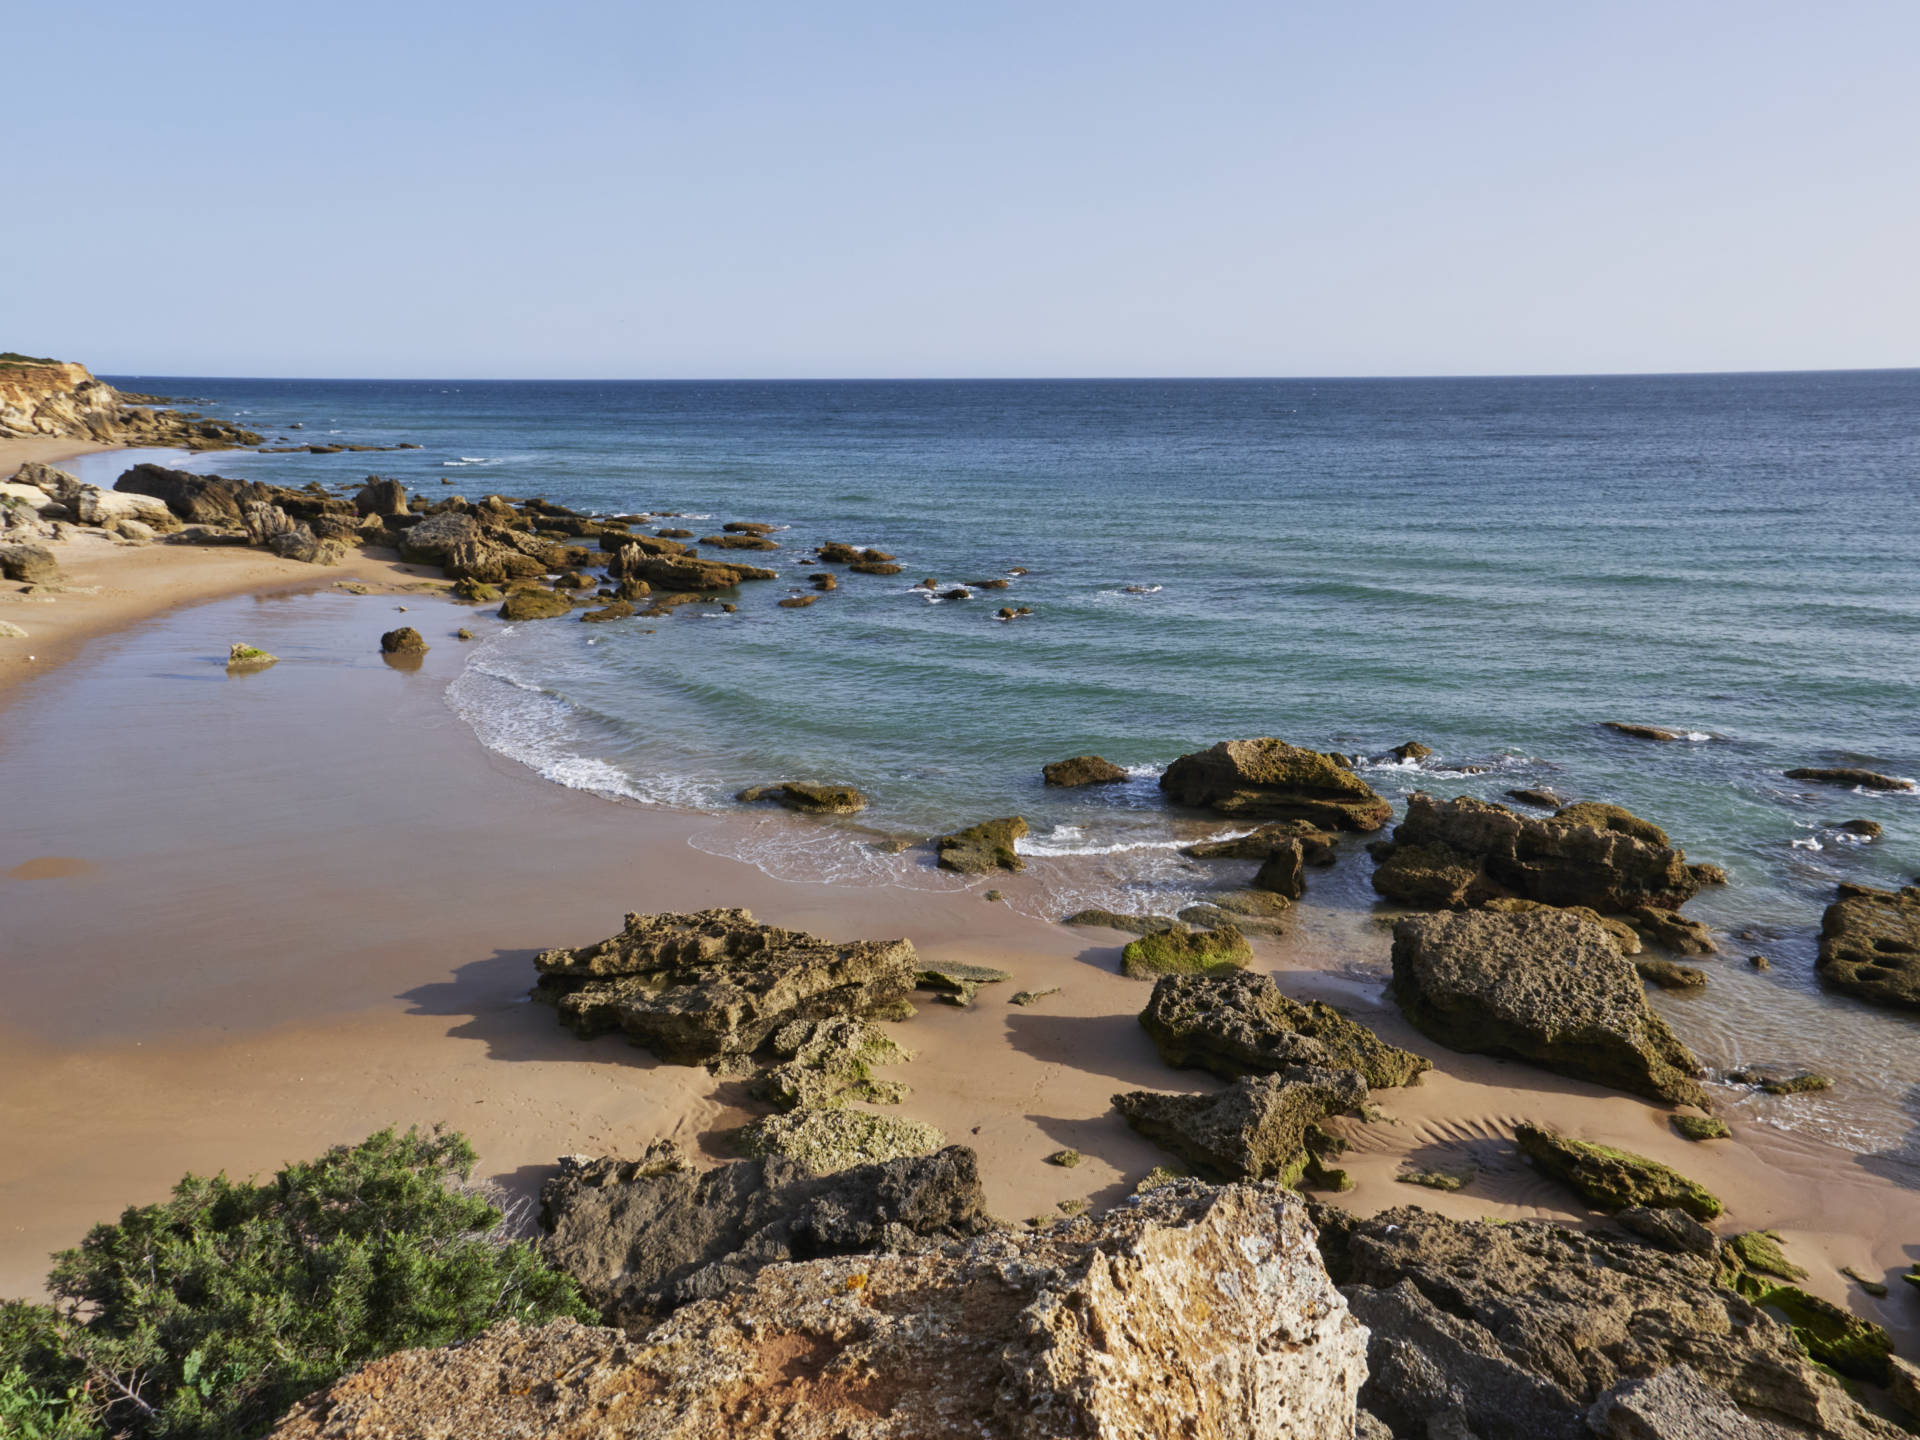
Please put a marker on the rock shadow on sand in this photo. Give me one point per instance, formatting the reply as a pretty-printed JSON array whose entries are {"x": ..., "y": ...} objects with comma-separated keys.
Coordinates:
[{"x": 1111, "y": 1045}]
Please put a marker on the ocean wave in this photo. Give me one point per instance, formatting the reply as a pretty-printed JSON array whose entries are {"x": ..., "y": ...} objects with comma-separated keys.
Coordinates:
[
  {"x": 472, "y": 460},
  {"x": 1807, "y": 842},
  {"x": 1062, "y": 841}
]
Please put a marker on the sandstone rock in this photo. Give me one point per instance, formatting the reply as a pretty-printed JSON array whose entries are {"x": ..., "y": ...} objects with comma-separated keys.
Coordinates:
[
  {"x": 1240, "y": 1024},
  {"x": 534, "y": 604},
  {"x": 1669, "y": 976},
  {"x": 300, "y": 543},
  {"x": 1611, "y": 1179},
  {"x": 1511, "y": 1331},
  {"x": 404, "y": 641},
  {"x": 959, "y": 983},
  {"x": 824, "y": 1063},
  {"x": 748, "y": 527},
  {"x": 10, "y": 631},
  {"x": 1411, "y": 750},
  {"x": 1189, "y": 1311},
  {"x": 1870, "y": 945},
  {"x": 1271, "y": 777},
  {"x": 434, "y": 539},
  {"x": 1672, "y": 930},
  {"x": 618, "y": 610},
  {"x": 823, "y": 1141},
  {"x": 196, "y": 499},
  {"x": 1545, "y": 986},
  {"x": 739, "y": 542},
  {"x": 1186, "y": 952},
  {"x": 1677, "y": 1404},
  {"x": 681, "y": 572},
  {"x": 1642, "y": 732},
  {"x": 381, "y": 497},
  {"x": 1283, "y": 872},
  {"x": 982, "y": 848},
  {"x": 28, "y": 564},
  {"x": 1083, "y": 770},
  {"x": 643, "y": 1237},
  {"x": 1625, "y": 938},
  {"x": 1871, "y": 829},
  {"x": 825, "y": 581},
  {"x": 695, "y": 986},
  {"x": 1544, "y": 798},
  {"x": 1851, "y": 778},
  {"x": 249, "y": 657},
  {"x": 1464, "y": 851},
  {"x": 1260, "y": 1128},
  {"x": 808, "y": 799},
  {"x": 1316, "y": 845},
  {"x": 1701, "y": 1127},
  {"x": 93, "y": 506},
  {"x": 797, "y": 602}
]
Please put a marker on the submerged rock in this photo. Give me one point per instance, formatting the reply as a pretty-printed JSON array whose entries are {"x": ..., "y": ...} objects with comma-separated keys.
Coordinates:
[
  {"x": 1316, "y": 845},
  {"x": 1610, "y": 1179},
  {"x": 1271, "y": 777},
  {"x": 1642, "y": 732},
  {"x": 1240, "y": 1024},
  {"x": 1513, "y": 1330},
  {"x": 1542, "y": 797},
  {"x": 1544, "y": 986},
  {"x": 1190, "y": 1311},
  {"x": 643, "y": 1237},
  {"x": 618, "y": 610},
  {"x": 1870, "y": 945},
  {"x": 982, "y": 848},
  {"x": 1462, "y": 852},
  {"x": 1261, "y": 1128},
  {"x": 691, "y": 987},
  {"x": 1186, "y": 952},
  {"x": 1083, "y": 770},
  {"x": 1672, "y": 930},
  {"x": 1850, "y": 777},
  {"x": 250, "y": 657},
  {"x": 1669, "y": 976},
  {"x": 806, "y": 798}
]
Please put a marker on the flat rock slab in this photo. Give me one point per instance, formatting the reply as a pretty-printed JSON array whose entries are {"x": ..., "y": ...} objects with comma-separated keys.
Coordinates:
[
  {"x": 1269, "y": 777},
  {"x": 1870, "y": 945}
]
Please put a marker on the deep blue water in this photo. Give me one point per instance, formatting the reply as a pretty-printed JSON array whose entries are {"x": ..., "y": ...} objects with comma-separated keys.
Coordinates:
[{"x": 1490, "y": 566}]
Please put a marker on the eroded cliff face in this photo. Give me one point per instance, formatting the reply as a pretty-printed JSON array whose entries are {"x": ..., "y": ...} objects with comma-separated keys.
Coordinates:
[
  {"x": 63, "y": 400},
  {"x": 1192, "y": 1311}
]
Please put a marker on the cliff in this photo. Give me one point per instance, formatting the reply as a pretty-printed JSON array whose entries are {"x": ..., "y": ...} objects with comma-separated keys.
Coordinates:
[{"x": 40, "y": 397}]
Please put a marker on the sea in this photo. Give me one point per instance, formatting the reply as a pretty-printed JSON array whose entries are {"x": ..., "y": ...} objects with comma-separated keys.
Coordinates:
[{"x": 1492, "y": 567}]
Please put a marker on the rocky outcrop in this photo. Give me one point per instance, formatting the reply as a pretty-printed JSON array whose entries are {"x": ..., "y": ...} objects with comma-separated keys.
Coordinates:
[
  {"x": 1850, "y": 777},
  {"x": 1189, "y": 1311},
  {"x": 1083, "y": 770},
  {"x": 1545, "y": 986},
  {"x": 1517, "y": 1330},
  {"x": 1462, "y": 852},
  {"x": 808, "y": 799},
  {"x": 1269, "y": 777},
  {"x": 1263, "y": 1127},
  {"x": 435, "y": 538},
  {"x": 692, "y": 987},
  {"x": 822, "y": 1064},
  {"x": 681, "y": 572},
  {"x": 1241, "y": 1024},
  {"x": 1315, "y": 844},
  {"x": 532, "y": 603},
  {"x": 1181, "y": 951},
  {"x": 48, "y": 397},
  {"x": 195, "y": 499},
  {"x": 982, "y": 848},
  {"x": 643, "y": 1237},
  {"x": 1610, "y": 1179},
  {"x": 1672, "y": 930},
  {"x": 381, "y": 497},
  {"x": 1870, "y": 945},
  {"x": 1131, "y": 924}
]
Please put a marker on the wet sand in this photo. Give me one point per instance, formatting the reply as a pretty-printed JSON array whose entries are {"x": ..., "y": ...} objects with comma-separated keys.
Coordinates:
[{"x": 248, "y": 917}]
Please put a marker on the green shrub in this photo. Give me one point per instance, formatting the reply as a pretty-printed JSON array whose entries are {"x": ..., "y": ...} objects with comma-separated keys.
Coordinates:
[{"x": 208, "y": 1315}]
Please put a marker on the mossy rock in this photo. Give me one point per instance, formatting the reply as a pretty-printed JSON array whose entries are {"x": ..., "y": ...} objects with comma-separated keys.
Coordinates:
[
  {"x": 249, "y": 657},
  {"x": 1065, "y": 1159},
  {"x": 534, "y": 605},
  {"x": 1759, "y": 1251},
  {"x": 1610, "y": 1179},
  {"x": 1866, "y": 1282},
  {"x": 1669, "y": 976},
  {"x": 1702, "y": 1127},
  {"x": 1616, "y": 818},
  {"x": 1445, "y": 1180},
  {"x": 404, "y": 641},
  {"x": 828, "y": 1063},
  {"x": 1841, "y": 1341},
  {"x": 1159, "y": 1175},
  {"x": 825, "y": 1141},
  {"x": 1780, "y": 1082},
  {"x": 982, "y": 848},
  {"x": 1024, "y": 998},
  {"x": 807, "y": 798},
  {"x": 1112, "y": 920},
  {"x": 1186, "y": 952}
]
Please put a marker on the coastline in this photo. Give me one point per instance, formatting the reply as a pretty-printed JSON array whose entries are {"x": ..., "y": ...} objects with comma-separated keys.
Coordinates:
[{"x": 339, "y": 892}]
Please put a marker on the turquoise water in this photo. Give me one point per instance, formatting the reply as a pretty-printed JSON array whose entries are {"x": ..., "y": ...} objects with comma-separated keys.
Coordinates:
[{"x": 1490, "y": 566}]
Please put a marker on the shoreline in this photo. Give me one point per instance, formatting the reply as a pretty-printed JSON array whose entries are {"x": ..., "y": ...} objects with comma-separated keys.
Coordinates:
[{"x": 405, "y": 1003}]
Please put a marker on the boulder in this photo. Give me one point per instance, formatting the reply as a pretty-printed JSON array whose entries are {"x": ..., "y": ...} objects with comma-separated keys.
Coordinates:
[
  {"x": 404, "y": 641},
  {"x": 1283, "y": 872},
  {"x": 300, "y": 543},
  {"x": 196, "y": 499},
  {"x": 693, "y": 987},
  {"x": 982, "y": 848},
  {"x": 93, "y": 506},
  {"x": 1083, "y": 770},
  {"x": 806, "y": 798},
  {"x": 1260, "y": 1128},
  {"x": 1541, "y": 797},
  {"x": 1188, "y": 1311},
  {"x": 1610, "y": 1179},
  {"x": 533, "y": 603},
  {"x": 1671, "y": 930},
  {"x": 643, "y": 1237},
  {"x": 1669, "y": 976},
  {"x": 1270, "y": 777},
  {"x": 1513, "y": 1330},
  {"x": 1240, "y": 1024},
  {"x": 434, "y": 539},
  {"x": 249, "y": 657},
  {"x": 1316, "y": 845},
  {"x": 1870, "y": 945},
  {"x": 1851, "y": 778},
  {"x": 1545, "y": 986},
  {"x": 28, "y": 564},
  {"x": 1181, "y": 951},
  {"x": 381, "y": 497},
  {"x": 1462, "y": 852}
]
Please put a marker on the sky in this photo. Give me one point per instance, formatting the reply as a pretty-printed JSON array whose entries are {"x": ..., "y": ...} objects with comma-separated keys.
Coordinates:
[{"x": 714, "y": 190}]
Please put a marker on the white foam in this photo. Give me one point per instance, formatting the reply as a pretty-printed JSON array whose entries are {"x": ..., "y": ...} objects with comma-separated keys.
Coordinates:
[
  {"x": 1808, "y": 843},
  {"x": 1027, "y": 845}
]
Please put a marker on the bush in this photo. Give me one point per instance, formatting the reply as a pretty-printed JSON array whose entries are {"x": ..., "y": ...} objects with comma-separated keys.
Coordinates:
[{"x": 209, "y": 1315}]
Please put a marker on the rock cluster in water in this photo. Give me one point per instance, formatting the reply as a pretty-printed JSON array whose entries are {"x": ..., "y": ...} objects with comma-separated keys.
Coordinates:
[{"x": 1268, "y": 777}]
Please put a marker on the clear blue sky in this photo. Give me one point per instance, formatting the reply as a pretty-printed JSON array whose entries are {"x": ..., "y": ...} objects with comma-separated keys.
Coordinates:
[{"x": 842, "y": 189}]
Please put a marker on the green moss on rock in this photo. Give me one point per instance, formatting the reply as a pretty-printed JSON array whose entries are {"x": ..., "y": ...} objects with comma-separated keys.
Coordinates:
[
  {"x": 1610, "y": 1179},
  {"x": 1187, "y": 952},
  {"x": 1702, "y": 1127},
  {"x": 825, "y": 1141}
]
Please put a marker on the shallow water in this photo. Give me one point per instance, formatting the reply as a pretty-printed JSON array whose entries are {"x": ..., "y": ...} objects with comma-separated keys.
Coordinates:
[{"x": 1489, "y": 566}]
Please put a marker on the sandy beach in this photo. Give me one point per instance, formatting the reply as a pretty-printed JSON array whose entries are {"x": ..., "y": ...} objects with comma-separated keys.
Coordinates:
[{"x": 248, "y": 917}]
